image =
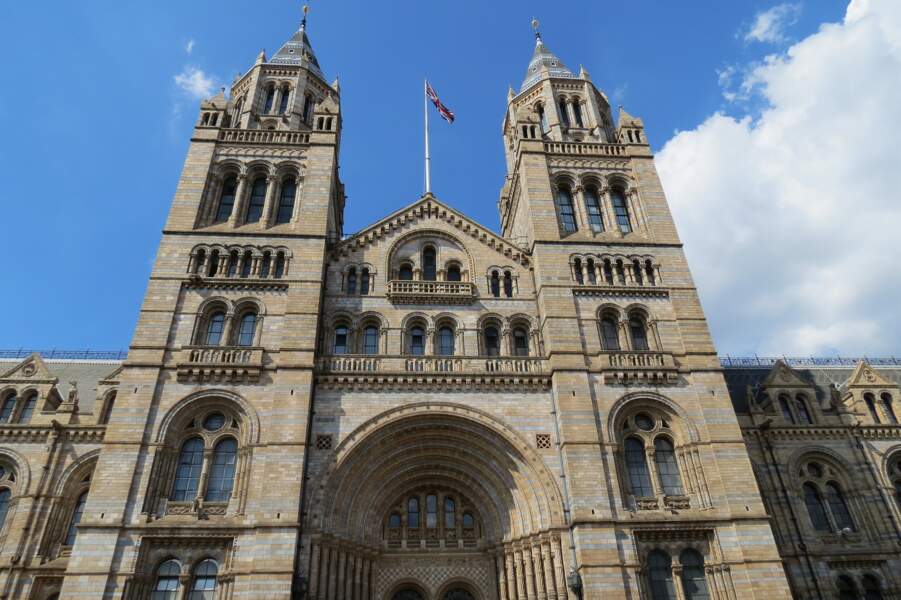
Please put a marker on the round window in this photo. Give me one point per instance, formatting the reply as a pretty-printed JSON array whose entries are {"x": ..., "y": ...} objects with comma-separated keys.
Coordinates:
[
  {"x": 815, "y": 470},
  {"x": 214, "y": 421},
  {"x": 644, "y": 422}
]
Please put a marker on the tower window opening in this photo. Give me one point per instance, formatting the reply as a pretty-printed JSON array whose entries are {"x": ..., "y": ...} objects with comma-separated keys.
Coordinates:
[
  {"x": 888, "y": 408},
  {"x": 639, "y": 334},
  {"x": 577, "y": 111},
  {"x": 247, "y": 329},
  {"x": 429, "y": 264},
  {"x": 542, "y": 118},
  {"x": 227, "y": 199},
  {"x": 279, "y": 265},
  {"x": 266, "y": 265},
  {"x": 246, "y": 265},
  {"x": 453, "y": 273},
  {"x": 492, "y": 341},
  {"x": 636, "y": 272},
  {"x": 564, "y": 116},
  {"x": 610, "y": 334},
  {"x": 364, "y": 282},
  {"x": 214, "y": 119},
  {"x": 307, "y": 108},
  {"x": 214, "y": 264},
  {"x": 593, "y": 208},
  {"x": 257, "y": 200},
  {"x": 232, "y": 263},
  {"x": 577, "y": 270},
  {"x": 495, "y": 284},
  {"x": 565, "y": 209},
  {"x": 445, "y": 341},
  {"x": 621, "y": 210},
  {"x": 870, "y": 401},
  {"x": 270, "y": 99},
  {"x": 431, "y": 511},
  {"x": 589, "y": 267},
  {"x": 283, "y": 102},
  {"x": 508, "y": 284},
  {"x": 215, "y": 328},
  {"x": 286, "y": 201},
  {"x": 608, "y": 272},
  {"x": 649, "y": 271},
  {"x": 520, "y": 342},
  {"x": 620, "y": 273},
  {"x": 340, "y": 345},
  {"x": 370, "y": 340},
  {"x": 417, "y": 341},
  {"x": 351, "y": 287}
]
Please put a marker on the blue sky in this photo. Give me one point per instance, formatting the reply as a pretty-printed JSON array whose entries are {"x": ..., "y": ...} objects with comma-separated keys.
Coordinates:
[{"x": 97, "y": 125}]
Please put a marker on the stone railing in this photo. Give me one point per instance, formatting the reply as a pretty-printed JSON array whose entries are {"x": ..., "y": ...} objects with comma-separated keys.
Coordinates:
[
  {"x": 486, "y": 365},
  {"x": 263, "y": 136},
  {"x": 431, "y": 292},
  {"x": 585, "y": 148},
  {"x": 220, "y": 363},
  {"x": 647, "y": 366}
]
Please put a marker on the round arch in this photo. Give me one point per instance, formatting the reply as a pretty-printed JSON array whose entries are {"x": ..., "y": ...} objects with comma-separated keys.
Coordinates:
[
  {"x": 189, "y": 405},
  {"x": 625, "y": 404}
]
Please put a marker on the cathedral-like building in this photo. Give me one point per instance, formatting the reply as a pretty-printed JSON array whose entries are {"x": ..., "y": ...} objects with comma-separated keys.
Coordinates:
[{"x": 431, "y": 410}]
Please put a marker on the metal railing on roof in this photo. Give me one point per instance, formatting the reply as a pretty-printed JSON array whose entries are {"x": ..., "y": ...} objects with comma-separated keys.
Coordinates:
[
  {"x": 750, "y": 362},
  {"x": 67, "y": 354}
]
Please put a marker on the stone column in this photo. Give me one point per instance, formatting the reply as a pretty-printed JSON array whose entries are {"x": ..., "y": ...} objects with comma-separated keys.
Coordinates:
[
  {"x": 559, "y": 569},
  {"x": 609, "y": 213},
  {"x": 511, "y": 576},
  {"x": 334, "y": 563},
  {"x": 367, "y": 568},
  {"x": 358, "y": 577},
  {"x": 314, "y": 571},
  {"x": 599, "y": 271},
  {"x": 271, "y": 190},
  {"x": 529, "y": 571},
  {"x": 540, "y": 591},
  {"x": 349, "y": 576},
  {"x": 520, "y": 575},
  {"x": 585, "y": 279},
  {"x": 501, "y": 576},
  {"x": 238, "y": 207},
  {"x": 548, "y": 570},
  {"x": 677, "y": 578}
]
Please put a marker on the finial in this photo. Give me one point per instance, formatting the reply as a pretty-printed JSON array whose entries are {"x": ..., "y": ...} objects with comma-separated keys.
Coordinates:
[
  {"x": 303, "y": 22},
  {"x": 535, "y": 25}
]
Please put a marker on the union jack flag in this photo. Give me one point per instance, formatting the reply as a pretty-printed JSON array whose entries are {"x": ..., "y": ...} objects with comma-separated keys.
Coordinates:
[{"x": 444, "y": 111}]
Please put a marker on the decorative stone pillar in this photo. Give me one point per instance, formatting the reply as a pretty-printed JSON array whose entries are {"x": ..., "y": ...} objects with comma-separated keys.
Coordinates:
[
  {"x": 238, "y": 207},
  {"x": 598, "y": 271},
  {"x": 314, "y": 571},
  {"x": 271, "y": 190},
  {"x": 511, "y": 575},
  {"x": 358, "y": 578},
  {"x": 538, "y": 571},
  {"x": 324, "y": 567},
  {"x": 333, "y": 564},
  {"x": 349, "y": 576},
  {"x": 585, "y": 279},
  {"x": 501, "y": 575},
  {"x": 550, "y": 587},
  {"x": 367, "y": 568},
  {"x": 520, "y": 575},
  {"x": 530, "y": 575},
  {"x": 226, "y": 330},
  {"x": 628, "y": 272},
  {"x": 559, "y": 569},
  {"x": 609, "y": 213}
]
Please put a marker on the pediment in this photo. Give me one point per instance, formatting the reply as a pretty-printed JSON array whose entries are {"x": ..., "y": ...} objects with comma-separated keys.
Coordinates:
[
  {"x": 866, "y": 376},
  {"x": 32, "y": 368},
  {"x": 783, "y": 376},
  {"x": 426, "y": 209}
]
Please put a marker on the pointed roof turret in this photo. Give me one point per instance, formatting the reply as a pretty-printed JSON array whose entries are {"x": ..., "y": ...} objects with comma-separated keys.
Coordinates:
[
  {"x": 298, "y": 50},
  {"x": 543, "y": 59}
]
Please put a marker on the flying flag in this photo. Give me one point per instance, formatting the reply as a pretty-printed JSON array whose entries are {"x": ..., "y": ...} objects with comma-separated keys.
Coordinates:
[{"x": 444, "y": 111}]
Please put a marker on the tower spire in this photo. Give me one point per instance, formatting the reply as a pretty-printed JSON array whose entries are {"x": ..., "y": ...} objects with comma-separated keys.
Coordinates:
[
  {"x": 544, "y": 62},
  {"x": 303, "y": 21},
  {"x": 298, "y": 50}
]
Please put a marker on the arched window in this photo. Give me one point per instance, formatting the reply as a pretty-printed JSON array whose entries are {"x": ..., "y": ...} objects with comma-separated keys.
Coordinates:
[
  {"x": 431, "y": 511},
  {"x": 205, "y": 574},
  {"x": 660, "y": 575},
  {"x": 577, "y": 111},
  {"x": 199, "y": 261},
  {"x": 405, "y": 273},
  {"x": 445, "y": 341},
  {"x": 187, "y": 474},
  {"x": 340, "y": 346},
  {"x": 649, "y": 271},
  {"x": 495, "y": 284},
  {"x": 247, "y": 329},
  {"x": 279, "y": 271},
  {"x": 637, "y": 467},
  {"x": 565, "y": 210},
  {"x": 609, "y": 334},
  {"x": 270, "y": 99},
  {"x": 577, "y": 269},
  {"x": 639, "y": 333},
  {"x": 872, "y": 589},
  {"x": 621, "y": 210},
  {"x": 593, "y": 208},
  {"x": 589, "y": 267},
  {"x": 870, "y": 401},
  {"x": 417, "y": 341},
  {"x": 429, "y": 266},
  {"x": 888, "y": 409},
  {"x": 694, "y": 581},
  {"x": 5, "y": 496},
  {"x": 413, "y": 513},
  {"x": 450, "y": 513},
  {"x": 620, "y": 273},
  {"x": 28, "y": 408},
  {"x": 265, "y": 265},
  {"x": 371, "y": 340},
  {"x": 307, "y": 108},
  {"x": 107, "y": 409},
  {"x": 492, "y": 341},
  {"x": 214, "y": 328},
  {"x": 227, "y": 199},
  {"x": 364, "y": 282},
  {"x": 508, "y": 284},
  {"x": 847, "y": 590},
  {"x": 351, "y": 287},
  {"x": 803, "y": 413},
  {"x": 520, "y": 342},
  {"x": 469, "y": 522},
  {"x": 636, "y": 272},
  {"x": 667, "y": 467},
  {"x": 838, "y": 507},
  {"x": 286, "y": 201},
  {"x": 246, "y": 264},
  {"x": 608, "y": 272},
  {"x": 564, "y": 116},
  {"x": 787, "y": 413},
  {"x": 75, "y": 519},
  {"x": 815, "y": 508},
  {"x": 453, "y": 273},
  {"x": 222, "y": 471},
  {"x": 283, "y": 102},
  {"x": 7, "y": 410},
  {"x": 257, "y": 200},
  {"x": 214, "y": 263},
  {"x": 232, "y": 267},
  {"x": 167, "y": 581},
  {"x": 394, "y": 521},
  {"x": 542, "y": 117}
]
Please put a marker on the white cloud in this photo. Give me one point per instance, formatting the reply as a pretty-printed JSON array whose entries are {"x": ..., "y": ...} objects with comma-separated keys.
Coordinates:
[
  {"x": 195, "y": 83},
  {"x": 769, "y": 26},
  {"x": 791, "y": 219},
  {"x": 189, "y": 48}
]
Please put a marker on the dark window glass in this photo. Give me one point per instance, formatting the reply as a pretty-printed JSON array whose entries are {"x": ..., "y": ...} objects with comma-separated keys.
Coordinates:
[
  {"x": 198, "y": 262},
  {"x": 639, "y": 334},
  {"x": 107, "y": 410},
  {"x": 580, "y": 279},
  {"x": 247, "y": 329},
  {"x": 222, "y": 471},
  {"x": 257, "y": 200},
  {"x": 431, "y": 511},
  {"x": 542, "y": 118},
  {"x": 286, "y": 201},
  {"x": 283, "y": 102},
  {"x": 450, "y": 513},
  {"x": 564, "y": 116},
  {"x": 246, "y": 264},
  {"x": 307, "y": 108},
  {"x": 608, "y": 272},
  {"x": 838, "y": 507},
  {"x": 187, "y": 474},
  {"x": 492, "y": 342},
  {"x": 636, "y": 272},
  {"x": 270, "y": 98},
  {"x": 495, "y": 284},
  {"x": 872, "y": 590},
  {"x": 621, "y": 210},
  {"x": 214, "y": 421},
  {"x": 610, "y": 334},
  {"x": 520, "y": 342},
  {"x": 351, "y": 287},
  {"x": 413, "y": 512},
  {"x": 453, "y": 273},
  {"x": 888, "y": 408},
  {"x": 340, "y": 339},
  {"x": 593, "y": 208},
  {"x": 871, "y": 406},
  {"x": 405, "y": 273},
  {"x": 644, "y": 421},
  {"x": 394, "y": 521},
  {"x": 232, "y": 268},
  {"x": 469, "y": 521},
  {"x": 847, "y": 590},
  {"x": 815, "y": 508},
  {"x": 5, "y": 495},
  {"x": 637, "y": 467},
  {"x": 227, "y": 199},
  {"x": 446, "y": 341},
  {"x": 508, "y": 284},
  {"x": 620, "y": 273},
  {"x": 660, "y": 574},
  {"x": 786, "y": 411},
  {"x": 72, "y": 531},
  {"x": 694, "y": 581},
  {"x": 667, "y": 467},
  {"x": 649, "y": 271},
  {"x": 167, "y": 581},
  {"x": 364, "y": 282},
  {"x": 371, "y": 340},
  {"x": 577, "y": 110},
  {"x": 214, "y": 329},
  {"x": 204, "y": 585},
  {"x": 429, "y": 269},
  {"x": 803, "y": 413},
  {"x": 279, "y": 265},
  {"x": 417, "y": 341},
  {"x": 214, "y": 263},
  {"x": 28, "y": 408},
  {"x": 8, "y": 405},
  {"x": 589, "y": 267},
  {"x": 265, "y": 265},
  {"x": 565, "y": 210}
]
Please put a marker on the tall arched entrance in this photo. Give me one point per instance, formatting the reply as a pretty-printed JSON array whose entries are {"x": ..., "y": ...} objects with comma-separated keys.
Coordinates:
[{"x": 439, "y": 502}]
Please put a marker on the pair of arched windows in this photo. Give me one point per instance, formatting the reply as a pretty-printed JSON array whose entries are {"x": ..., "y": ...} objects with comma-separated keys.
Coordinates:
[
  {"x": 795, "y": 411},
  {"x": 201, "y": 585},
  {"x": 368, "y": 341},
  {"x": 848, "y": 590},
  {"x": 215, "y": 434},
  {"x": 885, "y": 403},
  {"x": 257, "y": 202},
  {"x": 567, "y": 215},
  {"x": 643, "y": 431},
  {"x": 498, "y": 282},
  {"x": 214, "y": 333},
  {"x": 692, "y": 579},
  {"x": 825, "y": 502},
  {"x": 14, "y": 410},
  {"x": 351, "y": 287},
  {"x": 637, "y": 329}
]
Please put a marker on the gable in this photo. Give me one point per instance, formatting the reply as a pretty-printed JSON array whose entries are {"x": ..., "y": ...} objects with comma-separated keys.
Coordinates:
[
  {"x": 783, "y": 376},
  {"x": 31, "y": 369},
  {"x": 866, "y": 376}
]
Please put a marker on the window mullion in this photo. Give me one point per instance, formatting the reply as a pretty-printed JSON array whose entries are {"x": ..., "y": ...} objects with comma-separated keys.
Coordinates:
[{"x": 205, "y": 471}]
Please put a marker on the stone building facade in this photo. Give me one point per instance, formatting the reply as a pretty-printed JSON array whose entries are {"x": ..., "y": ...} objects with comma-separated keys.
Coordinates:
[{"x": 427, "y": 409}]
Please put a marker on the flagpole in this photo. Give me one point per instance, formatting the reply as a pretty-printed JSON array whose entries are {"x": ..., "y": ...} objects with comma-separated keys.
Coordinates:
[{"x": 425, "y": 107}]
